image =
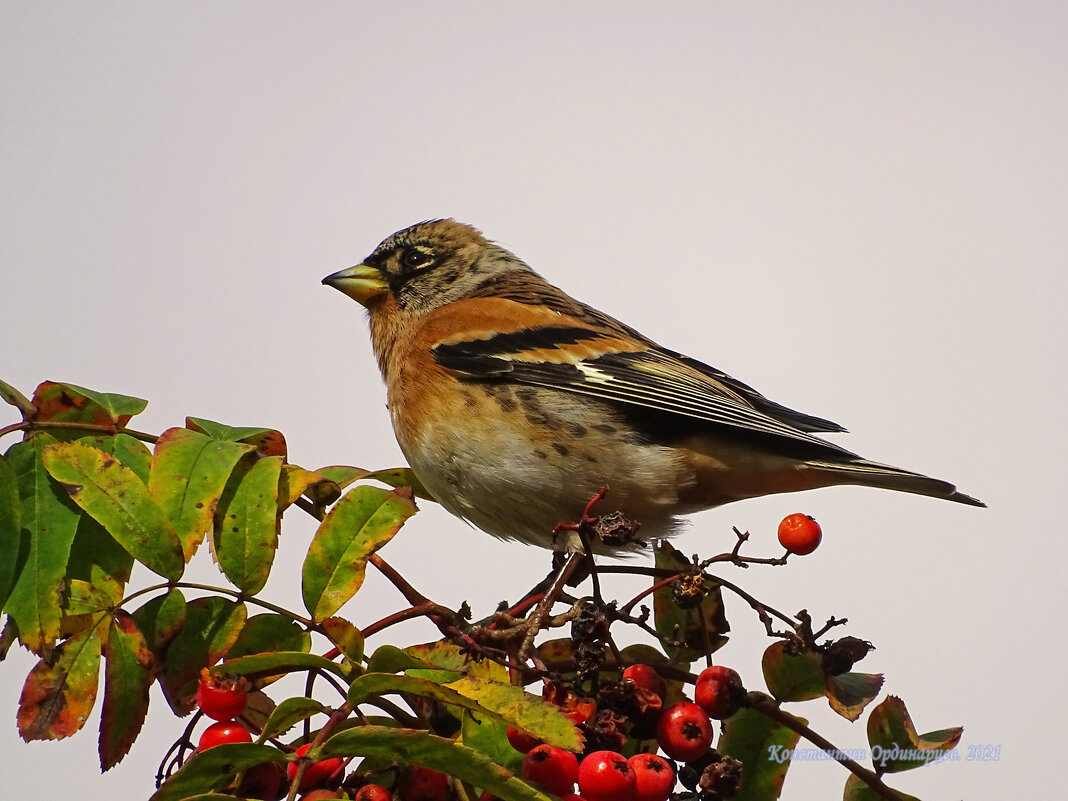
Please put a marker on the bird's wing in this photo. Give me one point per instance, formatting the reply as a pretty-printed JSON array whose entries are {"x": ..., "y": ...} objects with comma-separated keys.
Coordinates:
[{"x": 613, "y": 365}]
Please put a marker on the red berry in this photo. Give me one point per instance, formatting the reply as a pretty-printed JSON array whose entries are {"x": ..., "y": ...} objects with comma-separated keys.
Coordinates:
[
  {"x": 581, "y": 710},
  {"x": 373, "y": 792},
  {"x": 654, "y": 777},
  {"x": 316, "y": 773},
  {"x": 605, "y": 776},
  {"x": 553, "y": 768},
  {"x": 262, "y": 781},
  {"x": 646, "y": 678},
  {"x": 520, "y": 740},
  {"x": 684, "y": 731},
  {"x": 221, "y": 697},
  {"x": 800, "y": 534},
  {"x": 223, "y": 732},
  {"x": 417, "y": 783},
  {"x": 572, "y": 797},
  {"x": 719, "y": 691}
]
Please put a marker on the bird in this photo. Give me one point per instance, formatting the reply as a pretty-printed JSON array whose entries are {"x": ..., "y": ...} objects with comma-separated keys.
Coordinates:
[{"x": 515, "y": 404}]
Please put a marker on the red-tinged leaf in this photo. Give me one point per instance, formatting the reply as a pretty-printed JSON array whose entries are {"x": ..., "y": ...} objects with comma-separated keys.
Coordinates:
[
  {"x": 246, "y": 525},
  {"x": 61, "y": 402},
  {"x": 266, "y": 441},
  {"x": 269, "y": 633},
  {"x": 357, "y": 526},
  {"x": 699, "y": 628},
  {"x": 792, "y": 677},
  {"x": 161, "y": 619},
  {"x": 857, "y": 790},
  {"x": 10, "y": 528},
  {"x": 128, "y": 674},
  {"x": 346, "y": 638},
  {"x": 49, "y": 522},
  {"x": 763, "y": 747},
  {"x": 849, "y": 693},
  {"x": 416, "y": 747},
  {"x": 215, "y": 768},
  {"x": 189, "y": 472},
  {"x": 59, "y": 693},
  {"x": 117, "y": 499},
  {"x": 212, "y": 626},
  {"x": 895, "y": 745}
]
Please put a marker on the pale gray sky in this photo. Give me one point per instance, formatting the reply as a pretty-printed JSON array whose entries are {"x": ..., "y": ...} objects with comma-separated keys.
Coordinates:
[{"x": 859, "y": 208}]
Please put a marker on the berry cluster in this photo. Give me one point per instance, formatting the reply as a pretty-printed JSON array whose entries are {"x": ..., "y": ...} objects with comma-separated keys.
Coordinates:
[{"x": 627, "y": 711}]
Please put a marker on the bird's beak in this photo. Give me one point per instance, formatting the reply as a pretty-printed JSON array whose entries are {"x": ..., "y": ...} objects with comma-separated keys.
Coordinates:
[{"x": 361, "y": 283}]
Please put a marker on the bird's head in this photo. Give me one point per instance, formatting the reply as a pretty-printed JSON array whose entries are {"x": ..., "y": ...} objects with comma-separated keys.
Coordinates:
[{"x": 425, "y": 266}]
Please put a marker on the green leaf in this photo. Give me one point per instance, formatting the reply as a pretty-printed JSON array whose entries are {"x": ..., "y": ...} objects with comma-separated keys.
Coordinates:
[
  {"x": 73, "y": 404},
  {"x": 49, "y": 522},
  {"x": 118, "y": 500},
  {"x": 189, "y": 472},
  {"x": 343, "y": 475},
  {"x": 288, "y": 714},
  {"x": 161, "y": 619},
  {"x": 857, "y": 790},
  {"x": 266, "y": 441},
  {"x": 12, "y": 396},
  {"x": 128, "y": 674},
  {"x": 346, "y": 638},
  {"x": 523, "y": 710},
  {"x": 257, "y": 665},
  {"x": 792, "y": 677},
  {"x": 246, "y": 525},
  {"x": 130, "y": 451},
  {"x": 402, "y": 477},
  {"x": 60, "y": 693},
  {"x": 99, "y": 594},
  {"x": 215, "y": 768},
  {"x": 762, "y": 746},
  {"x": 701, "y": 628},
  {"x": 357, "y": 526},
  {"x": 270, "y": 633},
  {"x": 212, "y": 625},
  {"x": 444, "y": 655},
  {"x": 489, "y": 736},
  {"x": 849, "y": 693},
  {"x": 895, "y": 745},
  {"x": 414, "y": 747},
  {"x": 373, "y": 684},
  {"x": 94, "y": 546},
  {"x": 391, "y": 659},
  {"x": 10, "y": 528}
]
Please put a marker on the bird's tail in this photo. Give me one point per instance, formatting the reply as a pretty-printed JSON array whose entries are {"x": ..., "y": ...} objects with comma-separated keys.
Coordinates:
[{"x": 884, "y": 476}]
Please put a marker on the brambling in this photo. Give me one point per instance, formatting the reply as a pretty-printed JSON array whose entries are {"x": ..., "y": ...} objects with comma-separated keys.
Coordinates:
[{"x": 515, "y": 404}]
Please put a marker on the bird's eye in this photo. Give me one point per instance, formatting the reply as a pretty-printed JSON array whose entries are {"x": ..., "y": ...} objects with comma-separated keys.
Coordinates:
[{"x": 413, "y": 257}]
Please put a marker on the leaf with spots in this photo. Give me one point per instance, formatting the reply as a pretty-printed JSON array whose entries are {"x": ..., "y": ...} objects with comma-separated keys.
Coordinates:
[
  {"x": 69, "y": 403},
  {"x": 128, "y": 674},
  {"x": 357, "y": 526},
  {"x": 246, "y": 525},
  {"x": 49, "y": 523},
  {"x": 60, "y": 692},
  {"x": 189, "y": 472},
  {"x": 117, "y": 499}
]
